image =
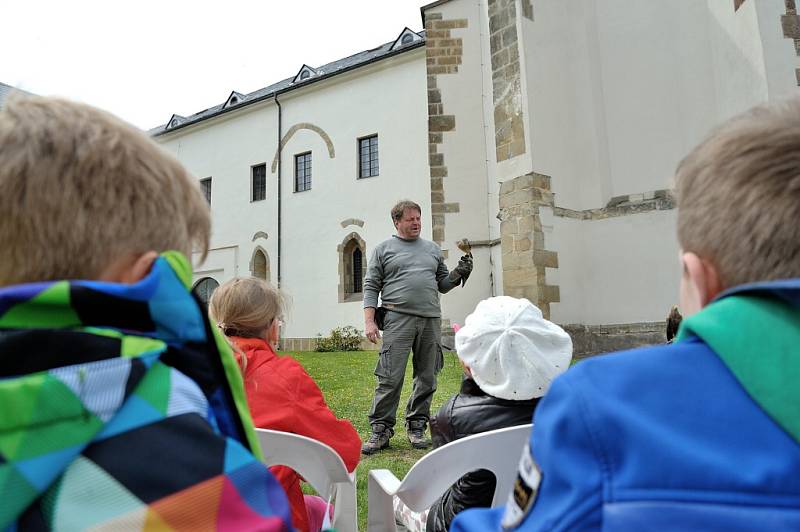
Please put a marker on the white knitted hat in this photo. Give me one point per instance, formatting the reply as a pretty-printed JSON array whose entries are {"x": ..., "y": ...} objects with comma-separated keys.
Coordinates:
[{"x": 513, "y": 352}]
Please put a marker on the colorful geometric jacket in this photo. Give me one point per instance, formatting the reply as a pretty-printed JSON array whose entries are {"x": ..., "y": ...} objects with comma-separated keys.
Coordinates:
[{"x": 120, "y": 407}]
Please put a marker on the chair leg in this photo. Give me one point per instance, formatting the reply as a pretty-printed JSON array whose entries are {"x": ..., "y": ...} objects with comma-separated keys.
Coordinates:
[
  {"x": 345, "y": 514},
  {"x": 380, "y": 510}
]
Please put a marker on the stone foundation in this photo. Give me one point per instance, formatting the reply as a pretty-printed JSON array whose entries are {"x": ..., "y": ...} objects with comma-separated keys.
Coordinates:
[
  {"x": 448, "y": 336},
  {"x": 590, "y": 340},
  {"x": 309, "y": 344},
  {"x": 587, "y": 340}
]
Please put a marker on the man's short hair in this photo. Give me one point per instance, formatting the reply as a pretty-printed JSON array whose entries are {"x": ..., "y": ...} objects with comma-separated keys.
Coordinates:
[
  {"x": 80, "y": 189},
  {"x": 400, "y": 208},
  {"x": 739, "y": 196}
]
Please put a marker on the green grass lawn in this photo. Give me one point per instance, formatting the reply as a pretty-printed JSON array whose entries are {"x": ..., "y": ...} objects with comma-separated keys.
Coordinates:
[{"x": 347, "y": 381}]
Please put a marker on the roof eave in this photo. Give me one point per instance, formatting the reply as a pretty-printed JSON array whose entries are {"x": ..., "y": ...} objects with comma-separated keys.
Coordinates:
[
  {"x": 290, "y": 88},
  {"x": 429, "y": 6}
]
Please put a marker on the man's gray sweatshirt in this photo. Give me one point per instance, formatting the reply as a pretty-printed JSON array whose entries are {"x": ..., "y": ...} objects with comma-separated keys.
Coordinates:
[{"x": 408, "y": 274}]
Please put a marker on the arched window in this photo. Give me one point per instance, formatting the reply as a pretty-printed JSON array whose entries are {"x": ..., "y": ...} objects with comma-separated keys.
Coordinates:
[
  {"x": 260, "y": 265},
  {"x": 352, "y": 268},
  {"x": 204, "y": 288}
]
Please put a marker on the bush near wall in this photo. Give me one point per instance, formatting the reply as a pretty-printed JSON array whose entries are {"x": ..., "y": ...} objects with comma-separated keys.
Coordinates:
[{"x": 346, "y": 338}]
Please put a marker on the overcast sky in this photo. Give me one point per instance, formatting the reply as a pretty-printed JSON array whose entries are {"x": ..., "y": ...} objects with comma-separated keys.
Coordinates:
[{"x": 147, "y": 59}]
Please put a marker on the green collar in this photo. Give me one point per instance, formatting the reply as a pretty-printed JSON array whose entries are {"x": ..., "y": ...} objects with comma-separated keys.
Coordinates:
[{"x": 758, "y": 339}]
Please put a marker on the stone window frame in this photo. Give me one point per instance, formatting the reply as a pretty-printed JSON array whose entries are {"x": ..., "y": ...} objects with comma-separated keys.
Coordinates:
[
  {"x": 345, "y": 252},
  {"x": 267, "y": 270}
]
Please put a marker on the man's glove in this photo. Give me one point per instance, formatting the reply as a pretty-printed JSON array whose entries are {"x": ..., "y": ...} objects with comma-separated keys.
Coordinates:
[{"x": 462, "y": 270}]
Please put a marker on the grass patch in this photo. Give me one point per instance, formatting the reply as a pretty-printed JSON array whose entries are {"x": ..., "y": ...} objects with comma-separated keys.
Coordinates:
[{"x": 348, "y": 383}]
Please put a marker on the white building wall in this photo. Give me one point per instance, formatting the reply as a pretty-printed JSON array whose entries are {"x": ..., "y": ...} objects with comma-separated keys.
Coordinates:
[
  {"x": 619, "y": 92},
  {"x": 753, "y": 61},
  {"x": 616, "y": 270},
  {"x": 615, "y": 94},
  {"x": 566, "y": 111},
  {"x": 779, "y": 53},
  {"x": 387, "y": 98},
  {"x": 658, "y": 98},
  {"x": 224, "y": 149},
  {"x": 738, "y": 57},
  {"x": 390, "y": 100}
]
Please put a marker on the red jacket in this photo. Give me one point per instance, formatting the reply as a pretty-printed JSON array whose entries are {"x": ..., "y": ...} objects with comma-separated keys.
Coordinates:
[{"x": 282, "y": 396}]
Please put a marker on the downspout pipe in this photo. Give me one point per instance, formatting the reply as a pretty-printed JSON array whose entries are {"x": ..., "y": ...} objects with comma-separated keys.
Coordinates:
[{"x": 280, "y": 217}]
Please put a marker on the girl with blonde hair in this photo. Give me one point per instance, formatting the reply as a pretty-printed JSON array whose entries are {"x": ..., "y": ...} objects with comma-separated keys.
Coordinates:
[{"x": 281, "y": 395}]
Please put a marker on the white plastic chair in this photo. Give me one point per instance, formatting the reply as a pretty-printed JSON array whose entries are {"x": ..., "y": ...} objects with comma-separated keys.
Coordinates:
[
  {"x": 320, "y": 466},
  {"x": 498, "y": 451}
]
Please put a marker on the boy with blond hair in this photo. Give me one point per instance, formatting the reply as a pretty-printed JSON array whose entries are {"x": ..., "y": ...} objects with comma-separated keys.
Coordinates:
[
  {"x": 119, "y": 406},
  {"x": 701, "y": 434}
]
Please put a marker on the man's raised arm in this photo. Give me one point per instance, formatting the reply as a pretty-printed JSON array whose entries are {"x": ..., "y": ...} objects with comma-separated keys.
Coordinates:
[{"x": 447, "y": 280}]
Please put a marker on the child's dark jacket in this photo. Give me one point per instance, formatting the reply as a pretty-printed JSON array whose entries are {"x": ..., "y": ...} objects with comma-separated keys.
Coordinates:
[{"x": 471, "y": 411}]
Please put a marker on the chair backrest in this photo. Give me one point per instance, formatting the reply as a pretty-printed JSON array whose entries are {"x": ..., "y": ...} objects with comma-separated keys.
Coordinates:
[
  {"x": 319, "y": 465},
  {"x": 498, "y": 451}
]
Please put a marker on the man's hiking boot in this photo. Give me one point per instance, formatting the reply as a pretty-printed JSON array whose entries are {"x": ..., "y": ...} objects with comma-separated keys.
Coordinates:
[
  {"x": 379, "y": 439},
  {"x": 416, "y": 435}
]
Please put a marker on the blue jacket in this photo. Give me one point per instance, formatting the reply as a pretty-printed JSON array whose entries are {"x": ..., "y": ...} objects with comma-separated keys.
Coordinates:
[{"x": 662, "y": 438}]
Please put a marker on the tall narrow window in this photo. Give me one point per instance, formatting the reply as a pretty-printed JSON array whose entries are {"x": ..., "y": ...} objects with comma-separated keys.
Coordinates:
[
  {"x": 368, "y": 156},
  {"x": 205, "y": 186},
  {"x": 302, "y": 172},
  {"x": 258, "y": 182},
  {"x": 357, "y": 271}
]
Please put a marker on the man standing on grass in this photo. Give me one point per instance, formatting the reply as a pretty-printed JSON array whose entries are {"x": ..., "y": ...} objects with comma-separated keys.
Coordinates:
[{"x": 408, "y": 272}]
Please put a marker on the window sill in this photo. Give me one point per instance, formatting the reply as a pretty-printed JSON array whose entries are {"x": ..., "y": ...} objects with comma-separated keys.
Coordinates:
[{"x": 352, "y": 298}]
